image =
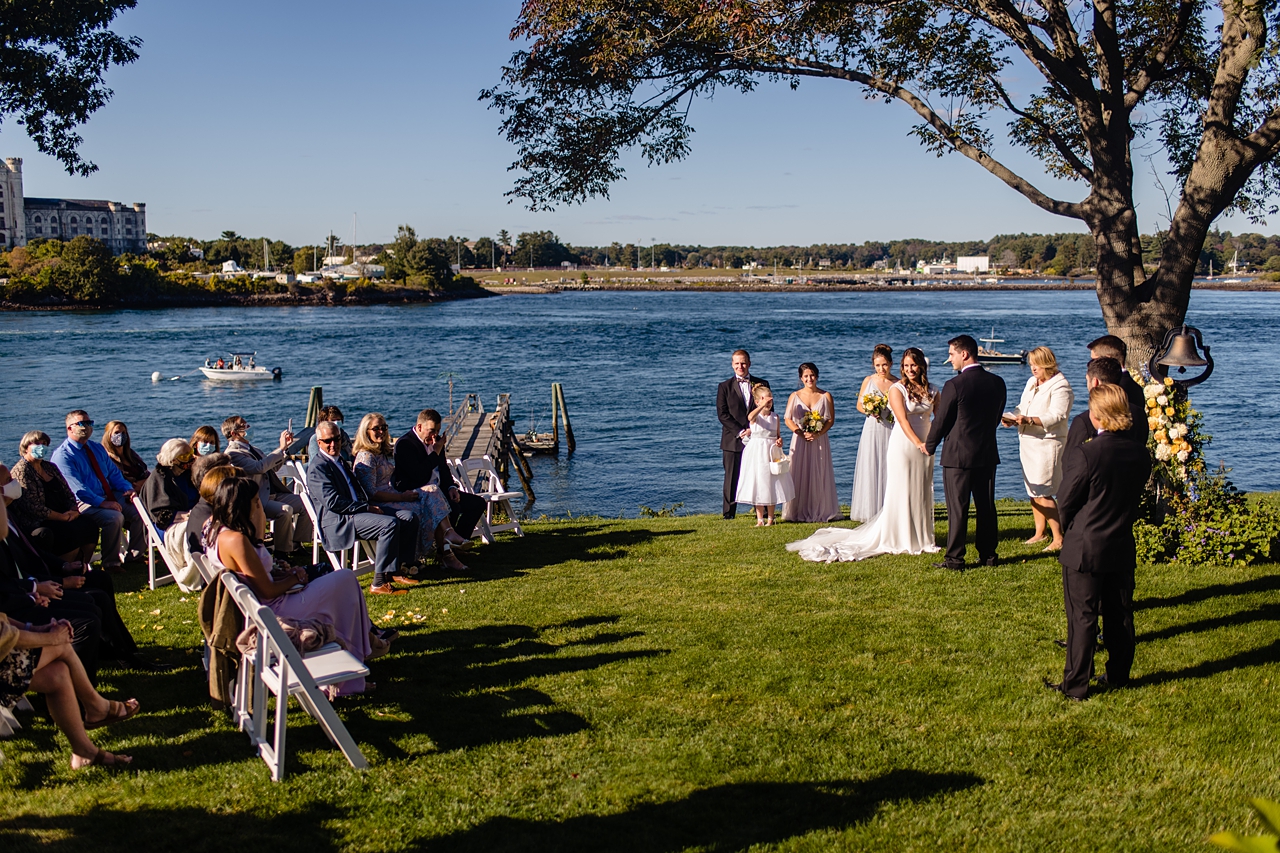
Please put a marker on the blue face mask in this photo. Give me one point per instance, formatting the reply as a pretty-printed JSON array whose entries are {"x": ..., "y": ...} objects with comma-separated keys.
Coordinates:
[
  {"x": 39, "y": 451},
  {"x": 338, "y": 424},
  {"x": 204, "y": 448}
]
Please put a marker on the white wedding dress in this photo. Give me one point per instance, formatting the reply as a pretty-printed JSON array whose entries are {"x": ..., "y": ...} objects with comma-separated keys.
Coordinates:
[{"x": 904, "y": 524}]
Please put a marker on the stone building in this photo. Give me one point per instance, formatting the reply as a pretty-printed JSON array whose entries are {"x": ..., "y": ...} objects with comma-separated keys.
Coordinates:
[{"x": 122, "y": 227}]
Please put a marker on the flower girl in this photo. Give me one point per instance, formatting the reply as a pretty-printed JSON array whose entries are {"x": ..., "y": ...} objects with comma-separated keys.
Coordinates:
[{"x": 757, "y": 484}]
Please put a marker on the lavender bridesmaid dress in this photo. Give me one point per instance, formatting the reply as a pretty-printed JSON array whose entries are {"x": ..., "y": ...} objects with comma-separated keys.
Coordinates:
[{"x": 812, "y": 474}]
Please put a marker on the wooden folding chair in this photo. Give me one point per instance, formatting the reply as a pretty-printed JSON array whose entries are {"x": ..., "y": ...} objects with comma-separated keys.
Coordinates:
[
  {"x": 277, "y": 668},
  {"x": 489, "y": 487}
]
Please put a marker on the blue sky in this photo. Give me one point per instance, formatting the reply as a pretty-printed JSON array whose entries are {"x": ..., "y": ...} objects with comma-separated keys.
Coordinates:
[{"x": 284, "y": 119}]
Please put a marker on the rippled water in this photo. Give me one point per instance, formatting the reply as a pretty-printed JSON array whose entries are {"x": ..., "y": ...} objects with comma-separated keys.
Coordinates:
[{"x": 639, "y": 371}]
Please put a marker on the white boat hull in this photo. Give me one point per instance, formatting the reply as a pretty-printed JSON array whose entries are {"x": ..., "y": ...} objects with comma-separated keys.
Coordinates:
[{"x": 236, "y": 374}]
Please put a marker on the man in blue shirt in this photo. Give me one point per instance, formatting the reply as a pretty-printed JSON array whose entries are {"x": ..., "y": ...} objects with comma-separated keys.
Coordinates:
[{"x": 103, "y": 494}]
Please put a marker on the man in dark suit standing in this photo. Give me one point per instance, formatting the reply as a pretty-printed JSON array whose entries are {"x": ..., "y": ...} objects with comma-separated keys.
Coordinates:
[
  {"x": 733, "y": 403},
  {"x": 346, "y": 515},
  {"x": 966, "y": 415},
  {"x": 419, "y": 454},
  {"x": 1102, "y": 485},
  {"x": 1106, "y": 370},
  {"x": 1111, "y": 346}
]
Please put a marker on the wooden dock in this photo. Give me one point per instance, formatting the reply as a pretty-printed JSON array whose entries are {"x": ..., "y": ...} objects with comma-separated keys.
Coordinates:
[{"x": 471, "y": 433}]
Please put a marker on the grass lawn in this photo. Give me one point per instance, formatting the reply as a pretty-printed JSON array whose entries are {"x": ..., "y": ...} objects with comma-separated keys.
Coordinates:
[{"x": 686, "y": 684}]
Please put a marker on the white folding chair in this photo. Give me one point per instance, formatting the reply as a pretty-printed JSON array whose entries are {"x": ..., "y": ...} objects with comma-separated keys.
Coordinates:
[
  {"x": 279, "y": 669},
  {"x": 155, "y": 542},
  {"x": 466, "y": 473},
  {"x": 346, "y": 558}
]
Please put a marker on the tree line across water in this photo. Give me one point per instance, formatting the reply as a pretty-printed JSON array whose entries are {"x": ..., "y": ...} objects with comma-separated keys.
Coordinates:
[{"x": 83, "y": 270}]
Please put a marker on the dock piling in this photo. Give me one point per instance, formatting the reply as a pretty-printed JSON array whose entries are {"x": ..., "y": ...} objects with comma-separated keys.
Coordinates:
[{"x": 314, "y": 405}]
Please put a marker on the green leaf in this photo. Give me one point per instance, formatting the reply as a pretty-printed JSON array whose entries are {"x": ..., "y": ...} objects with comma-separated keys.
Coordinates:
[
  {"x": 1241, "y": 844},
  {"x": 1268, "y": 812}
]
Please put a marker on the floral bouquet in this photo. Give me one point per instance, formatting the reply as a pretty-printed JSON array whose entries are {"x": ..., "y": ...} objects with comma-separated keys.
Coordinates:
[
  {"x": 876, "y": 405},
  {"x": 1176, "y": 440},
  {"x": 812, "y": 422}
]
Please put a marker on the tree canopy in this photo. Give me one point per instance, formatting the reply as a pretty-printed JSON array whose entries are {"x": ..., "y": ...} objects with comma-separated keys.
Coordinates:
[
  {"x": 52, "y": 61},
  {"x": 1196, "y": 80}
]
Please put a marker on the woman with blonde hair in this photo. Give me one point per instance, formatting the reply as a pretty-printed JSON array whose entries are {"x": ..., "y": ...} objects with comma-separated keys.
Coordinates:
[
  {"x": 375, "y": 463},
  {"x": 115, "y": 438},
  {"x": 1042, "y": 418},
  {"x": 47, "y": 511}
]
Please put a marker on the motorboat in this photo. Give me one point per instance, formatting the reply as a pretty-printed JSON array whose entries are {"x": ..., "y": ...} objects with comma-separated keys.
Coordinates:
[
  {"x": 990, "y": 355},
  {"x": 238, "y": 367}
]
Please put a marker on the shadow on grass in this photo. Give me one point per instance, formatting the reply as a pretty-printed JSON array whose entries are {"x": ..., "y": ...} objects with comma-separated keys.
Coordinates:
[
  {"x": 466, "y": 688},
  {"x": 104, "y": 830},
  {"x": 723, "y": 818},
  {"x": 1266, "y": 583},
  {"x": 1254, "y": 657},
  {"x": 1264, "y": 613}
]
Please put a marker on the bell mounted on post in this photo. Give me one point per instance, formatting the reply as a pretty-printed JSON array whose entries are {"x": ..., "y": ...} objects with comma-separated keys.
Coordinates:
[{"x": 1181, "y": 349}]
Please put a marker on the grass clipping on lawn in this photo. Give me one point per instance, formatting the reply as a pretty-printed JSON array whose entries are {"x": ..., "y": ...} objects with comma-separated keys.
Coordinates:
[{"x": 667, "y": 684}]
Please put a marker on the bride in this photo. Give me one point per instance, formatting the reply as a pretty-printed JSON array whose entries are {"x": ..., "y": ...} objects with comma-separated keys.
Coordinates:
[{"x": 904, "y": 524}]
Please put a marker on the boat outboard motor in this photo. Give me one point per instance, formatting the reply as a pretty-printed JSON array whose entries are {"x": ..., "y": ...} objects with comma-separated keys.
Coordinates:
[{"x": 276, "y": 374}]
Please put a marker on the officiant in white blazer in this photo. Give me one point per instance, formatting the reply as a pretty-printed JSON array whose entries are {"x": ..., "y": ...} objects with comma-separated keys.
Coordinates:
[{"x": 1042, "y": 417}]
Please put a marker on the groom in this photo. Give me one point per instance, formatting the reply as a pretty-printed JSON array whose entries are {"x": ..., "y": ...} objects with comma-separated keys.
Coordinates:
[
  {"x": 733, "y": 403},
  {"x": 966, "y": 415}
]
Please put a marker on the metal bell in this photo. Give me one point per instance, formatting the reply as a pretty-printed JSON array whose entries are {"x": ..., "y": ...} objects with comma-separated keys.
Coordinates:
[{"x": 1181, "y": 352}]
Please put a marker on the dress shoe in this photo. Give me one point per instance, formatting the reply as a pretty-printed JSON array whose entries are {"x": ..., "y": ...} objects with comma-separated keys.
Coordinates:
[
  {"x": 1104, "y": 682},
  {"x": 405, "y": 580},
  {"x": 389, "y": 635},
  {"x": 990, "y": 561},
  {"x": 387, "y": 589},
  {"x": 1062, "y": 644},
  {"x": 952, "y": 566},
  {"x": 1056, "y": 687}
]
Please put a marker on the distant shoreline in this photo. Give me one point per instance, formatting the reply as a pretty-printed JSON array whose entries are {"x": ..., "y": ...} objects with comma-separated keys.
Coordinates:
[
  {"x": 769, "y": 287},
  {"x": 316, "y": 298}
]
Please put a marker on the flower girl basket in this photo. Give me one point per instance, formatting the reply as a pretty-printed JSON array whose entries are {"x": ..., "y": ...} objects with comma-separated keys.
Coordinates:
[{"x": 779, "y": 462}]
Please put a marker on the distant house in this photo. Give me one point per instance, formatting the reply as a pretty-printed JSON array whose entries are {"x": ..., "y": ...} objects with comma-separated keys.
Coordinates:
[
  {"x": 880, "y": 265},
  {"x": 824, "y": 263},
  {"x": 973, "y": 263},
  {"x": 231, "y": 268}
]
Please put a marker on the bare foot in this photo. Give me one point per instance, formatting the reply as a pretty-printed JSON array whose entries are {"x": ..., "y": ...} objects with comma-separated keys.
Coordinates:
[{"x": 760, "y": 522}]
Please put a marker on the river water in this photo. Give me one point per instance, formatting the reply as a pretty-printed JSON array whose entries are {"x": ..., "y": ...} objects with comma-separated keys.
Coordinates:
[{"x": 639, "y": 371}]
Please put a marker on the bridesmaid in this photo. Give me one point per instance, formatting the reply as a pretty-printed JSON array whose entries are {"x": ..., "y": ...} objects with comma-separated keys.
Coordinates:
[
  {"x": 871, "y": 471},
  {"x": 812, "y": 473}
]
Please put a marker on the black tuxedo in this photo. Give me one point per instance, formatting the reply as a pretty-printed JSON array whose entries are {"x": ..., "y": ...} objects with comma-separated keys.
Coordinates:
[
  {"x": 414, "y": 467},
  {"x": 967, "y": 415},
  {"x": 1082, "y": 429},
  {"x": 1102, "y": 485},
  {"x": 732, "y": 409}
]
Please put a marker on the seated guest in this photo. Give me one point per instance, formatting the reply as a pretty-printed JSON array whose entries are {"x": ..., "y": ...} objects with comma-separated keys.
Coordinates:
[
  {"x": 420, "y": 457},
  {"x": 47, "y": 511},
  {"x": 1101, "y": 490},
  {"x": 1105, "y": 370},
  {"x": 207, "y": 472},
  {"x": 334, "y": 415},
  {"x": 72, "y": 587},
  {"x": 168, "y": 494},
  {"x": 205, "y": 441},
  {"x": 375, "y": 463},
  {"x": 234, "y": 543},
  {"x": 115, "y": 439},
  {"x": 42, "y": 659},
  {"x": 282, "y": 506},
  {"x": 345, "y": 514},
  {"x": 102, "y": 492}
]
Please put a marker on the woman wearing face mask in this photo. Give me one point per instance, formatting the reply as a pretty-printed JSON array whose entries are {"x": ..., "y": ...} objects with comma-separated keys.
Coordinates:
[
  {"x": 168, "y": 494},
  {"x": 205, "y": 440},
  {"x": 46, "y": 510},
  {"x": 115, "y": 438}
]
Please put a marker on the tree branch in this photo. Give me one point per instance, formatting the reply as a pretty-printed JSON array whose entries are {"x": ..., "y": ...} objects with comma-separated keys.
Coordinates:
[
  {"x": 1016, "y": 182},
  {"x": 1058, "y": 142},
  {"x": 1156, "y": 67}
]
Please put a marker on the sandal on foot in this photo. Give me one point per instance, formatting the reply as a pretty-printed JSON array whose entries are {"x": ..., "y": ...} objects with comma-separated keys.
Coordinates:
[
  {"x": 1034, "y": 540},
  {"x": 101, "y": 758},
  {"x": 116, "y": 712},
  {"x": 453, "y": 563}
]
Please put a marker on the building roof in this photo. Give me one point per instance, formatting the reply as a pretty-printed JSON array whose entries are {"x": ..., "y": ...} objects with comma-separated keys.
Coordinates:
[{"x": 75, "y": 203}]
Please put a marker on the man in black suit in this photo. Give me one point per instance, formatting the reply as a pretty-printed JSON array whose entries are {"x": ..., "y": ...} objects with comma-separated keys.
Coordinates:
[
  {"x": 1106, "y": 370},
  {"x": 346, "y": 515},
  {"x": 1101, "y": 487},
  {"x": 419, "y": 454},
  {"x": 966, "y": 415},
  {"x": 1111, "y": 346},
  {"x": 733, "y": 403}
]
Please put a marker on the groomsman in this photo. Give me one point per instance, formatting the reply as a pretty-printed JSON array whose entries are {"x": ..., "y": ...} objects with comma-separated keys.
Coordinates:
[
  {"x": 1107, "y": 371},
  {"x": 733, "y": 402},
  {"x": 966, "y": 415},
  {"x": 1111, "y": 346},
  {"x": 1102, "y": 485}
]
